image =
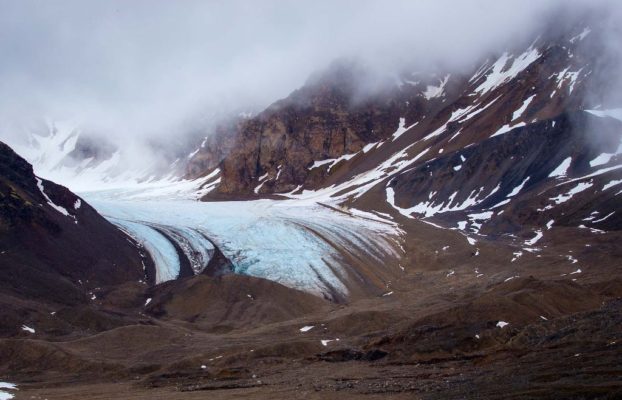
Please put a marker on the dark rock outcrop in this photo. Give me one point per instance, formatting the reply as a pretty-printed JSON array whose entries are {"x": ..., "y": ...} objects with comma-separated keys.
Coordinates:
[{"x": 55, "y": 249}]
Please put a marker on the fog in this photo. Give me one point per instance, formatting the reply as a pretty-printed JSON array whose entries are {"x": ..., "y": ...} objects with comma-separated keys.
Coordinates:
[{"x": 150, "y": 69}]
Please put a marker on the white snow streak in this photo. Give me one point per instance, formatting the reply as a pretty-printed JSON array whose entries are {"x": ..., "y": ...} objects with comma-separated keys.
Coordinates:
[
  {"x": 517, "y": 114},
  {"x": 562, "y": 198},
  {"x": 562, "y": 169},
  {"x": 436, "y": 91},
  {"x": 517, "y": 189},
  {"x": 58, "y": 208},
  {"x": 498, "y": 74},
  {"x": 401, "y": 128}
]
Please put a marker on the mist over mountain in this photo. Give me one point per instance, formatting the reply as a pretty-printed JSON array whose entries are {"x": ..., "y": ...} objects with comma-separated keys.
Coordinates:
[
  {"x": 151, "y": 73},
  {"x": 330, "y": 199}
]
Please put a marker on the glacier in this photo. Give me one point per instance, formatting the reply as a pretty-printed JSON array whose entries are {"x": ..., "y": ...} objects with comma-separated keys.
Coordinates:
[{"x": 299, "y": 244}]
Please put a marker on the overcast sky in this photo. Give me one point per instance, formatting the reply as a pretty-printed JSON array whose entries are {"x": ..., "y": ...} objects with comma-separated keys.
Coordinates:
[{"x": 142, "y": 67}]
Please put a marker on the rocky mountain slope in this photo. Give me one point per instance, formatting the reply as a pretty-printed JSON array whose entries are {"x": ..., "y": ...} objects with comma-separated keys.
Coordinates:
[
  {"x": 56, "y": 250},
  {"x": 514, "y": 127}
]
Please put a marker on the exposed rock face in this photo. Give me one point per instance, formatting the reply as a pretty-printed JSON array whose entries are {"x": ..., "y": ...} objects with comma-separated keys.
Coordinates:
[
  {"x": 213, "y": 149},
  {"x": 317, "y": 122},
  {"x": 327, "y": 118}
]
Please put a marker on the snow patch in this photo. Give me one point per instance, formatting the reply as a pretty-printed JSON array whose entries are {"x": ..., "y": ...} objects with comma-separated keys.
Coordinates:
[
  {"x": 477, "y": 217},
  {"x": 325, "y": 342},
  {"x": 613, "y": 183},
  {"x": 401, "y": 128},
  {"x": 6, "y": 385},
  {"x": 535, "y": 239},
  {"x": 193, "y": 153},
  {"x": 602, "y": 159},
  {"x": 461, "y": 115},
  {"x": 562, "y": 198},
  {"x": 518, "y": 188},
  {"x": 507, "y": 128},
  {"x": 331, "y": 162},
  {"x": 430, "y": 208},
  {"x": 262, "y": 180},
  {"x": 498, "y": 74},
  {"x": 501, "y": 203},
  {"x": 586, "y": 31},
  {"x": 568, "y": 76},
  {"x": 436, "y": 91},
  {"x": 58, "y": 208},
  {"x": 4, "y": 394},
  {"x": 369, "y": 146},
  {"x": 517, "y": 114},
  {"x": 603, "y": 218},
  {"x": 612, "y": 113},
  {"x": 317, "y": 164},
  {"x": 562, "y": 169}
]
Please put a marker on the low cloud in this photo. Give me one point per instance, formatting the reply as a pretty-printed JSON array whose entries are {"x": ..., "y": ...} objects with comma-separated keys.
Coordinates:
[{"x": 151, "y": 70}]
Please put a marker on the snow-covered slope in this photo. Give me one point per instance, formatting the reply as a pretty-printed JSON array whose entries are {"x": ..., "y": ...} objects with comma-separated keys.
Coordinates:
[{"x": 60, "y": 151}]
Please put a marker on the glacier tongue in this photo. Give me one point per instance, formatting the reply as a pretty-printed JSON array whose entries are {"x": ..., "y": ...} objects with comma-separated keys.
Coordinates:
[
  {"x": 294, "y": 243},
  {"x": 161, "y": 250}
]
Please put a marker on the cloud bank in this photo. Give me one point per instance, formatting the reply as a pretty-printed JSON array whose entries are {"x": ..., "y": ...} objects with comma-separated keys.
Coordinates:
[{"x": 149, "y": 69}]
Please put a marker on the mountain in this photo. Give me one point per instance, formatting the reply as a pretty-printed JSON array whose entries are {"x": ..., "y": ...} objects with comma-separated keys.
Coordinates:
[
  {"x": 56, "y": 250},
  {"x": 443, "y": 234},
  {"x": 326, "y": 138},
  {"x": 70, "y": 151},
  {"x": 524, "y": 146}
]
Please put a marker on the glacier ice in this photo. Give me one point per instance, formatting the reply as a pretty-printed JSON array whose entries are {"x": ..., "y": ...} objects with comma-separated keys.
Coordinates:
[{"x": 293, "y": 242}]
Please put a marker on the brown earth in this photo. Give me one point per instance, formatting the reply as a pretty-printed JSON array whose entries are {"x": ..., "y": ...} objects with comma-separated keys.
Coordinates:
[{"x": 562, "y": 339}]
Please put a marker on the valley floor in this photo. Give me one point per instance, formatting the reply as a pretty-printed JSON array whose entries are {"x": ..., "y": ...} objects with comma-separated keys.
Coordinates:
[
  {"x": 417, "y": 311},
  {"x": 571, "y": 357}
]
